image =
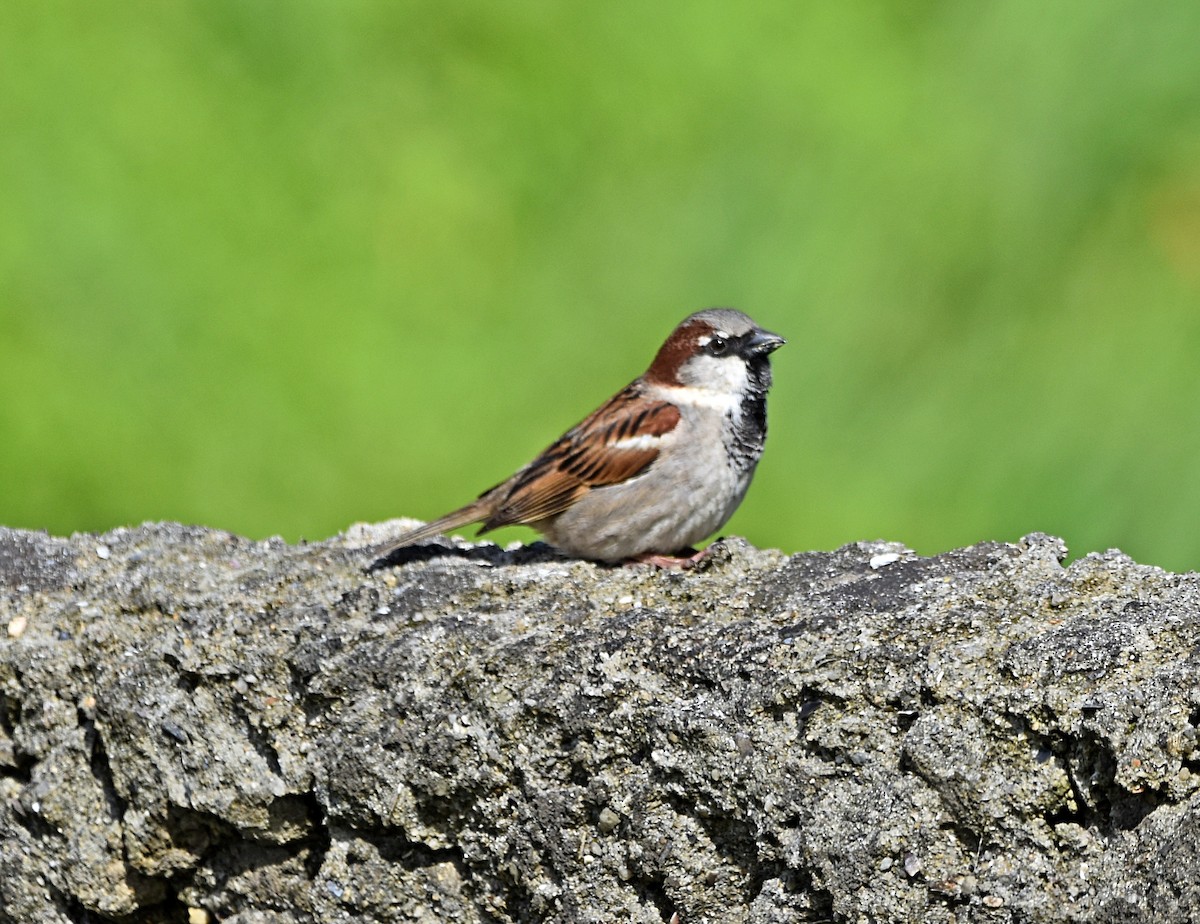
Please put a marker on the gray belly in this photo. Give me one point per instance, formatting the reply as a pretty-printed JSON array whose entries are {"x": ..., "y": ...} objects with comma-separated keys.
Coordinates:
[{"x": 666, "y": 508}]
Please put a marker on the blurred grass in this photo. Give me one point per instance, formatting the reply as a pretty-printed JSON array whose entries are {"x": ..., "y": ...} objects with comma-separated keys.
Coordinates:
[{"x": 279, "y": 267}]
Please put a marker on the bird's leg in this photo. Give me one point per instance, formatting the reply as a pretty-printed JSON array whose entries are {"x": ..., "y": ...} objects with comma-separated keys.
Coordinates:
[{"x": 682, "y": 562}]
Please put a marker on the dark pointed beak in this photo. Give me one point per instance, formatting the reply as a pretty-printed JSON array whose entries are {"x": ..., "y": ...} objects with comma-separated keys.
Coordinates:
[{"x": 762, "y": 342}]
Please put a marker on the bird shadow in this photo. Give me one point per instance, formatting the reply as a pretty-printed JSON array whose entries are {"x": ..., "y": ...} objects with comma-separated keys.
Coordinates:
[
  {"x": 487, "y": 554},
  {"x": 491, "y": 555}
]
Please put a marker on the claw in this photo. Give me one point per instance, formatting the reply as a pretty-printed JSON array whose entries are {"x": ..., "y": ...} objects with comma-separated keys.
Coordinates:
[{"x": 656, "y": 560}]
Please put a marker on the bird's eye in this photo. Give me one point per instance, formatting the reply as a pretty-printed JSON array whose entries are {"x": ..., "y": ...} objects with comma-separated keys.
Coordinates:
[{"x": 718, "y": 346}]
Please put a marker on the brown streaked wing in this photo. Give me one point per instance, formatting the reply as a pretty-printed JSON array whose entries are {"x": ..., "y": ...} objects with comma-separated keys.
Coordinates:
[{"x": 584, "y": 458}]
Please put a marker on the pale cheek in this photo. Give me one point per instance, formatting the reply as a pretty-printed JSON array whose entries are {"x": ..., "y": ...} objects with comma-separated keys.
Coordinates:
[{"x": 715, "y": 373}]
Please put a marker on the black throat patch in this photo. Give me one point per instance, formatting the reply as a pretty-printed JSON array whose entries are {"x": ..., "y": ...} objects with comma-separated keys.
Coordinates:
[{"x": 749, "y": 425}]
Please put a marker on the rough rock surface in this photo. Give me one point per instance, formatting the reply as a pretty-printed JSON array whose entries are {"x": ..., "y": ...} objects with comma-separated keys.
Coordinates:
[{"x": 197, "y": 727}]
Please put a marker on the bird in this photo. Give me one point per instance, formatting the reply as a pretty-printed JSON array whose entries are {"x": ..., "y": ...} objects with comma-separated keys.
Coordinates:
[{"x": 657, "y": 468}]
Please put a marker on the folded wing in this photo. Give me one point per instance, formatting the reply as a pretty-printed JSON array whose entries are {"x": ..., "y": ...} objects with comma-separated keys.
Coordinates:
[{"x": 617, "y": 442}]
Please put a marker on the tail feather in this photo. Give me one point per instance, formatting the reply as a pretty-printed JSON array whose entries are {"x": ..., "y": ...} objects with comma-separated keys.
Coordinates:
[{"x": 464, "y": 516}]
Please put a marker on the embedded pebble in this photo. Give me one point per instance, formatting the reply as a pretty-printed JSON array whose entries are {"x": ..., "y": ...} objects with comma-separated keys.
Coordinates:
[{"x": 608, "y": 820}]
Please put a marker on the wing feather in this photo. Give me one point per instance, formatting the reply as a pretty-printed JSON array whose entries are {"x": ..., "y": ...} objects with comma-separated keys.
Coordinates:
[{"x": 590, "y": 455}]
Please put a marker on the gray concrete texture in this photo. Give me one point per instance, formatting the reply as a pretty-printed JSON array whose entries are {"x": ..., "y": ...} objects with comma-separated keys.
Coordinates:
[{"x": 196, "y": 727}]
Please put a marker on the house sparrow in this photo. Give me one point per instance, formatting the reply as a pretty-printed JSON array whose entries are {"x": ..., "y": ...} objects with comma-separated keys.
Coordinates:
[{"x": 657, "y": 468}]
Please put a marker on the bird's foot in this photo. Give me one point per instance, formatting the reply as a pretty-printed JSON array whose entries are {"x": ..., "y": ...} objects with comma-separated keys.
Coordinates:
[{"x": 681, "y": 562}]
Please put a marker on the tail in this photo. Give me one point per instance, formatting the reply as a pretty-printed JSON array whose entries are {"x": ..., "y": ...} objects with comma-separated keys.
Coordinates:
[{"x": 464, "y": 516}]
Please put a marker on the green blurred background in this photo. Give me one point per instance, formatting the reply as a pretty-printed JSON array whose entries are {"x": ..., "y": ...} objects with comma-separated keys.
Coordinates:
[{"x": 278, "y": 267}]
